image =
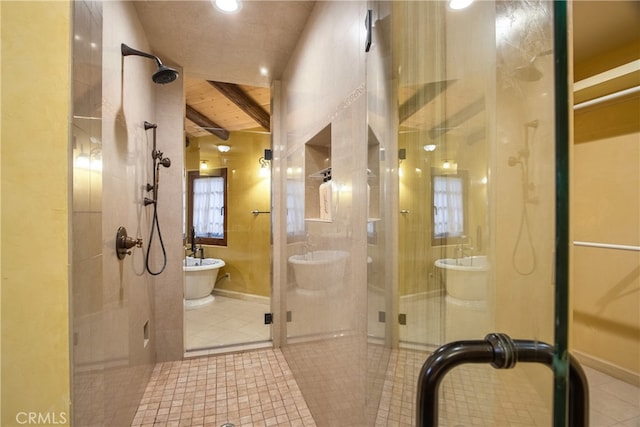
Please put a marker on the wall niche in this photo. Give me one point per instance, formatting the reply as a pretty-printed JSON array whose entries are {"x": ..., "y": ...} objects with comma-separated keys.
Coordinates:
[{"x": 318, "y": 200}]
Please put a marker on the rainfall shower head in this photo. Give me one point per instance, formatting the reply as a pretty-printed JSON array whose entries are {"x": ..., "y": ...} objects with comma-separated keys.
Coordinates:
[
  {"x": 529, "y": 72},
  {"x": 162, "y": 75}
]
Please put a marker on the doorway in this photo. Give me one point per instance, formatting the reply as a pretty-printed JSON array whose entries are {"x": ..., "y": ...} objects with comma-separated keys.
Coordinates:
[{"x": 227, "y": 218}]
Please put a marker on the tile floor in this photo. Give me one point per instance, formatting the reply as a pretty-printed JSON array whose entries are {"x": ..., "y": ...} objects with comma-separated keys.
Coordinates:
[
  {"x": 511, "y": 401},
  {"x": 226, "y": 321},
  {"x": 257, "y": 389},
  {"x": 247, "y": 389}
]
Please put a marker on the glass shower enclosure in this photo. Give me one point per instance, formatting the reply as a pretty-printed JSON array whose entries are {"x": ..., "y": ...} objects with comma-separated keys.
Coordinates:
[
  {"x": 446, "y": 159},
  {"x": 479, "y": 161}
]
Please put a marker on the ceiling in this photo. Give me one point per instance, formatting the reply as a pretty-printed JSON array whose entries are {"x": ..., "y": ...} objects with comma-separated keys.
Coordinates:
[
  {"x": 214, "y": 47},
  {"x": 231, "y": 48}
]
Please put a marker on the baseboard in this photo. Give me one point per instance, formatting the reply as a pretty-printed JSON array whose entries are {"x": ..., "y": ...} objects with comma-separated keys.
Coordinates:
[
  {"x": 242, "y": 296},
  {"x": 607, "y": 368}
]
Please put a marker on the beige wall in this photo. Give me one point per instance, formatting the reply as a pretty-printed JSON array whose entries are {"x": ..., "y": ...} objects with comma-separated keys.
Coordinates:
[
  {"x": 35, "y": 234},
  {"x": 247, "y": 255},
  {"x": 606, "y": 209}
]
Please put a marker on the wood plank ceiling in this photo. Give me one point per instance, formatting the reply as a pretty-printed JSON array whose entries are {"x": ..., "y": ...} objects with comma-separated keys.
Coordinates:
[{"x": 215, "y": 108}]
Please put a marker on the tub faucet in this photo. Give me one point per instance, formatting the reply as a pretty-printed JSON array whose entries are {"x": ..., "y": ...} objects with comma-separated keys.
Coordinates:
[
  {"x": 308, "y": 246},
  {"x": 201, "y": 250},
  {"x": 193, "y": 240},
  {"x": 461, "y": 251}
]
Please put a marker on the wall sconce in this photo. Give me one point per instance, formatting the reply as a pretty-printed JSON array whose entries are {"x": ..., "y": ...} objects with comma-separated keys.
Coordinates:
[
  {"x": 91, "y": 161},
  {"x": 450, "y": 165},
  {"x": 82, "y": 160},
  {"x": 223, "y": 148},
  {"x": 265, "y": 164},
  {"x": 203, "y": 165},
  {"x": 264, "y": 167}
]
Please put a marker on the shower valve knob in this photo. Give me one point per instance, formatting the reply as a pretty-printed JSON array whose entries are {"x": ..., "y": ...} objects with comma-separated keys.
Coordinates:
[{"x": 124, "y": 243}]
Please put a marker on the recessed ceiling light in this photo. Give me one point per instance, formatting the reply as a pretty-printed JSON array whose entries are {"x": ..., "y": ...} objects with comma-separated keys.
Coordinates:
[
  {"x": 264, "y": 71},
  {"x": 228, "y": 6},
  {"x": 459, "y": 4}
]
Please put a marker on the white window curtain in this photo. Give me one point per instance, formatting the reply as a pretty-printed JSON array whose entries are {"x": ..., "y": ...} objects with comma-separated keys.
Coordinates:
[
  {"x": 208, "y": 207},
  {"x": 448, "y": 209},
  {"x": 295, "y": 208}
]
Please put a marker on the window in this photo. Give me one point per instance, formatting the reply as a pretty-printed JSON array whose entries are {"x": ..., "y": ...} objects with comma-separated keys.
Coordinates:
[
  {"x": 295, "y": 208},
  {"x": 449, "y": 209},
  {"x": 207, "y": 207}
]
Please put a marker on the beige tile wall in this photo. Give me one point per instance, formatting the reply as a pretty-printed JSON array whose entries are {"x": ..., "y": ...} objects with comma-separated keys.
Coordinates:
[
  {"x": 114, "y": 299},
  {"x": 324, "y": 85}
]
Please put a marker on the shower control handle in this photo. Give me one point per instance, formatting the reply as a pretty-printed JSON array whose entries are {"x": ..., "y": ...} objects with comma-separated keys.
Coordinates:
[{"x": 124, "y": 243}]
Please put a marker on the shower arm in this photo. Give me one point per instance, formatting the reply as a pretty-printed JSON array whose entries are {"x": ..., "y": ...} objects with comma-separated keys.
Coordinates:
[
  {"x": 162, "y": 75},
  {"x": 501, "y": 352},
  {"x": 126, "y": 51}
]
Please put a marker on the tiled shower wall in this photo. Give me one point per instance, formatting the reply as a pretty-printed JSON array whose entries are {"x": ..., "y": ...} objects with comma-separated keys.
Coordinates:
[
  {"x": 338, "y": 369},
  {"x": 124, "y": 319}
]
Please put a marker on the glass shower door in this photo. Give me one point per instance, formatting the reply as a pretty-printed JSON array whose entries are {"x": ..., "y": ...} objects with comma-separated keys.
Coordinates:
[{"x": 480, "y": 148}]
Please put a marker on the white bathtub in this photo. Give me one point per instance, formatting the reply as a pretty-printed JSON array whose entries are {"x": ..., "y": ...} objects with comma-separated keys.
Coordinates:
[
  {"x": 199, "y": 279},
  {"x": 319, "y": 270},
  {"x": 466, "y": 278}
]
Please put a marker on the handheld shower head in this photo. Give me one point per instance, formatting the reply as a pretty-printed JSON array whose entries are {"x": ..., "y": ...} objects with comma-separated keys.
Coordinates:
[{"x": 162, "y": 75}]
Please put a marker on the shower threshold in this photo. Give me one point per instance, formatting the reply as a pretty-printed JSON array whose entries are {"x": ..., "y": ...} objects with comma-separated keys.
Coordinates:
[{"x": 231, "y": 348}]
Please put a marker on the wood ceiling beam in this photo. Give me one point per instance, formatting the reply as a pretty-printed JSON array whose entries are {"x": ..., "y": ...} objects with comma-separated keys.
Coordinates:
[
  {"x": 247, "y": 104},
  {"x": 422, "y": 97},
  {"x": 206, "y": 123},
  {"x": 458, "y": 118}
]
